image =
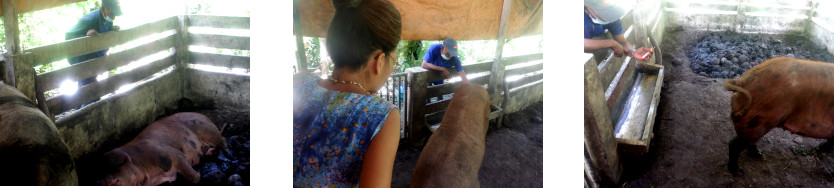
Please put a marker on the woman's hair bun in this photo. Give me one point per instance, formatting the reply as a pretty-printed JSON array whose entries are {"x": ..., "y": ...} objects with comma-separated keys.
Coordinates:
[{"x": 342, "y": 4}]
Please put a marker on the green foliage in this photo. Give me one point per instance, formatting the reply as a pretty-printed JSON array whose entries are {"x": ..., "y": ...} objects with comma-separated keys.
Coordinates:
[
  {"x": 410, "y": 54},
  {"x": 202, "y": 8},
  {"x": 312, "y": 49}
]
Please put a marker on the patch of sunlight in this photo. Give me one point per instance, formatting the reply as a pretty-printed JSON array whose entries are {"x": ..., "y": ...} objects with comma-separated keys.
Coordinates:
[
  {"x": 520, "y": 76},
  {"x": 68, "y": 87},
  {"x": 523, "y": 46},
  {"x": 469, "y": 76},
  {"x": 219, "y": 31},
  {"x": 519, "y": 65},
  {"x": 209, "y": 68},
  {"x": 125, "y": 88},
  {"x": 144, "y": 61},
  {"x": 224, "y": 51}
]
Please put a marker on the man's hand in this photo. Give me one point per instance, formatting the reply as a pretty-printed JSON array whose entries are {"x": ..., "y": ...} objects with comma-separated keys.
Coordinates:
[
  {"x": 116, "y": 28},
  {"x": 643, "y": 52},
  {"x": 618, "y": 49},
  {"x": 92, "y": 32},
  {"x": 446, "y": 73}
]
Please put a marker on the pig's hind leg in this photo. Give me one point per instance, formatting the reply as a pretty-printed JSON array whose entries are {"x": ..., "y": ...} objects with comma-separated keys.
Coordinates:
[
  {"x": 747, "y": 135},
  {"x": 186, "y": 171}
]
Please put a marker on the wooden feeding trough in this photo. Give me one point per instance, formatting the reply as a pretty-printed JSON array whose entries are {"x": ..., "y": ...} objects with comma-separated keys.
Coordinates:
[
  {"x": 621, "y": 96},
  {"x": 157, "y": 87}
]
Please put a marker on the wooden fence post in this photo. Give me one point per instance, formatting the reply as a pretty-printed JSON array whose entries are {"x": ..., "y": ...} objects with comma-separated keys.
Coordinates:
[
  {"x": 417, "y": 80},
  {"x": 181, "y": 43},
  {"x": 12, "y": 41}
]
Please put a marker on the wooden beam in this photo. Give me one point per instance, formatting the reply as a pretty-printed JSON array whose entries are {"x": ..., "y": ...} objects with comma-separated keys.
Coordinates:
[
  {"x": 496, "y": 83},
  {"x": 226, "y": 22},
  {"x": 95, "y": 90},
  {"x": 94, "y": 67},
  {"x": 10, "y": 25},
  {"x": 24, "y": 6},
  {"x": 219, "y": 41},
  {"x": 524, "y": 70},
  {"x": 417, "y": 81},
  {"x": 525, "y": 80},
  {"x": 599, "y": 131},
  {"x": 301, "y": 56},
  {"x": 71, "y": 48},
  {"x": 220, "y": 60}
]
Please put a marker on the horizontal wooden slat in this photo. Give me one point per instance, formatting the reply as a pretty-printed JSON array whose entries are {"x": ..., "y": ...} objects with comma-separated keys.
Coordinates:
[
  {"x": 435, "y": 117},
  {"x": 219, "y": 41},
  {"x": 62, "y": 103},
  {"x": 71, "y": 48},
  {"x": 523, "y": 97},
  {"x": 521, "y": 59},
  {"x": 524, "y": 70},
  {"x": 228, "y": 22},
  {"x": 434, "y": 91},
  {"x": 93, "y": 67},
  {"x": 468, "y": 69},
  {"x": 478, "y": 67},
  {"x": 525, "y": 80},
  {"x": 220, "y": 60}
]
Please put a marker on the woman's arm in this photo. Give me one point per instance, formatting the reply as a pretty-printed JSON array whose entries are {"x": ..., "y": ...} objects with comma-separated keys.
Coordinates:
[{"x": 379, "y": 159}]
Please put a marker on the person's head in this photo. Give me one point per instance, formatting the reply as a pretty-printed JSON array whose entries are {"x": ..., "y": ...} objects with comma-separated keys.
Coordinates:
[
  {"x": 607, "y": 11},
  {"x": 363, "y": 38},
  {"x": 110, "y": 9},
  {"x": 450, "y": 48}
]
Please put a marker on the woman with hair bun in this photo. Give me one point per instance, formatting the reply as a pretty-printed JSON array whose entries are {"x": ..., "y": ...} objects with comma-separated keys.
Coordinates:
[{"x": 343, "y": 135}]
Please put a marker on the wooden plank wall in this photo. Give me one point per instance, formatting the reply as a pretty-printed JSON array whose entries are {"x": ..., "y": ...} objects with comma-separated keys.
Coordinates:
[
  {"x": 754, "y": 16},
  {"x": 224, "y": 90}
]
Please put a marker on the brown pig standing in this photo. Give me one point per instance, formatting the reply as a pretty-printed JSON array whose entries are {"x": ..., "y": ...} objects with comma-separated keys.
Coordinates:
[
  {"x": 164, "y": 149},
  {"x": 794, "y": 94},
  {"x": 32, "y": 151},
  {"x": 453, "y": 155}
]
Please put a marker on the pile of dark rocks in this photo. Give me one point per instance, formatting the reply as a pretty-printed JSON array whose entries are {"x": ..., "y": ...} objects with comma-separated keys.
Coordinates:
[{"x": 729, "y": 54}]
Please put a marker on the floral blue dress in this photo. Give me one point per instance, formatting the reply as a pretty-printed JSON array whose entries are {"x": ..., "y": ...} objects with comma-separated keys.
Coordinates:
[{"x": 331, "y": 132}]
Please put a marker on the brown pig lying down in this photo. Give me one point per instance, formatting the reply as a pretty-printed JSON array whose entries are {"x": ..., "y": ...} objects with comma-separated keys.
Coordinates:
[
  {"x": 794, "y": 94},
  {"x": 32, "y": 152},
  {"x": 453, "y": 155},
  {"x": 164, "y": 149}
]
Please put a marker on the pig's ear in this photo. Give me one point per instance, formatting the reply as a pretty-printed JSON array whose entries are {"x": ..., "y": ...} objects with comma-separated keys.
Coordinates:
[{"x": 117, "y": 158}]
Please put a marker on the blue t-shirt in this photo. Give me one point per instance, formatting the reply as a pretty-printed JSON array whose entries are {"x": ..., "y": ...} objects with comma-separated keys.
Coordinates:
[
  {"x": 92, "y": 20},
  {"x": 593, "y": 30},
  {"x": 332, "y": 130},
  {"x": 433, "y": 56}
]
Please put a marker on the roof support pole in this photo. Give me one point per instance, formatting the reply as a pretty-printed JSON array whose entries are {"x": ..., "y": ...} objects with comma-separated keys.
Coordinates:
[
  {"x": 301, "y": 60},
  {"x": 12, "y": 40},
  {"x": 497, "y": 88}
]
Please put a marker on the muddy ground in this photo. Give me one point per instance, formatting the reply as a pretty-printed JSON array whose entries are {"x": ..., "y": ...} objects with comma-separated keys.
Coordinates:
[
  {"x": 693, "y": 129},
  {"x": 513, "y": 156}
]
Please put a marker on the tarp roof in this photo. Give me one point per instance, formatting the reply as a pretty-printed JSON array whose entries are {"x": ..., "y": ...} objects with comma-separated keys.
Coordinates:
[{"x": 436, "y": 20}]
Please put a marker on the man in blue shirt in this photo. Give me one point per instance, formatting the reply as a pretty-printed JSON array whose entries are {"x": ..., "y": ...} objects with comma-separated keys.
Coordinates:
[
  {"x": 92, "y": 24},
  {"x": 602, "y": 15},
  {"x": 441, "y": 56}
]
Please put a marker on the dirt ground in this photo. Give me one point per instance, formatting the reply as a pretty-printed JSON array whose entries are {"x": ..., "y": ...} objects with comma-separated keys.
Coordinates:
[
  {"x": 693, "y": 129},
  {"x": 513, "y": 156}
]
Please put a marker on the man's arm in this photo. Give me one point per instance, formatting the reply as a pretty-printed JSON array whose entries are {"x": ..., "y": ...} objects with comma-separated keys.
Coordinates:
[
  {"x": 429, "y": 66},
  {"x": 463, "y": 77},
  {"x": 591, "y": 44},
  {"x": 627, "y": 48}
]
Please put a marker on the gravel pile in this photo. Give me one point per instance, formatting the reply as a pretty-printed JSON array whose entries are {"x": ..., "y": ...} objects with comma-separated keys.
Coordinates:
[{"x": 729, "y": 55}]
